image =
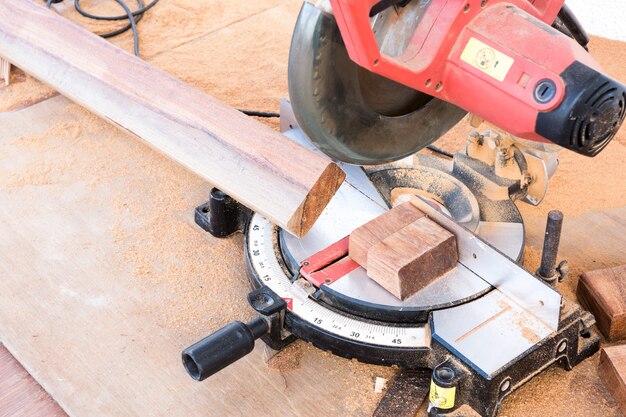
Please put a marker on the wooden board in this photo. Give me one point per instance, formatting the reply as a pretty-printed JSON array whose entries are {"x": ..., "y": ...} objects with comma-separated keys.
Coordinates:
[
  {"x": 257, "y": 166},
  {"x": 20, "y": 395},
  {"x": 412, "y": 257},
  {"x": 613, "y": 373},
  {"x": 374, "y": 231},
  {"x": 603, "y": 292}
]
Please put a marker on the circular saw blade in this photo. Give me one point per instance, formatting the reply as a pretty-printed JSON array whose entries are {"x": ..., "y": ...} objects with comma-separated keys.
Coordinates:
[{"x": 349, "y": 113}]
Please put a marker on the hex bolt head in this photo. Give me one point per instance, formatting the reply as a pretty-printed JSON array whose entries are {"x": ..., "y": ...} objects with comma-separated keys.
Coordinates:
[{"x": 505, "y": 385}]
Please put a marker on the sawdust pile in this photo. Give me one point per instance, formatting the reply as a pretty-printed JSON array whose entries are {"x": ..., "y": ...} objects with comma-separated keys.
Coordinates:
[
  {"x": 245, "y": 65},
  {"x": 23, "y": 91}
]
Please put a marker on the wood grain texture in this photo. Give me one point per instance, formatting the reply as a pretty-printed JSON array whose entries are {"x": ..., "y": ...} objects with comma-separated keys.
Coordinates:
[
  {"x": 613, "y": 373},
  {"x": 262, "y": 169},
  {"x": 603, "y": 292},
  {"x": 20, "y": 394},
  {"x": 374, "y": 231},
  {"x": 412, "y": 257},
  {"x": 100, "y": 291}
]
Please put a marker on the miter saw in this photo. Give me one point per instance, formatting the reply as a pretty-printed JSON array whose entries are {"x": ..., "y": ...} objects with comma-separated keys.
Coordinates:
[{"x": 372, "y": 82}]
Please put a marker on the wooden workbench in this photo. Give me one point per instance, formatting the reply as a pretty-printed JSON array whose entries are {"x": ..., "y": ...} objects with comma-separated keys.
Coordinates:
[{"x": 104, "y": 277}]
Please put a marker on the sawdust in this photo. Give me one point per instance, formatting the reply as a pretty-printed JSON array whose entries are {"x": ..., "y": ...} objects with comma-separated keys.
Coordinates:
[
  {"x": 287, "y": 359},
  {"x": 527, "y": 333},
  {"x": 23, "y": 91},
  {"x": 209, "y": 276}
]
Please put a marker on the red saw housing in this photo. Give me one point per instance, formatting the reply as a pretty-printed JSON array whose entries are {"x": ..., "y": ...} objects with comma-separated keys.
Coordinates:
[{"x": 502, "y": 61}]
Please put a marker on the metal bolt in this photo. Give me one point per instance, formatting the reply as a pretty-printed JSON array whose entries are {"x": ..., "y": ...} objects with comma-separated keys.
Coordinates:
[
  {"x": 563, "y": 270},
  {"x": 263, "y": 300},
  {"x": 547, "y": 270},
  {"x": 505, "y": 385},
  {"x": 545, "y": 91},
  {"x": 562, "y": 346}
]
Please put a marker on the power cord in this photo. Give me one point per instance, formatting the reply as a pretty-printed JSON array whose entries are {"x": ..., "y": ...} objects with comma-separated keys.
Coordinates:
[
  {"x": 132, "y": 16},
  {"x": 439, "y": 151}
]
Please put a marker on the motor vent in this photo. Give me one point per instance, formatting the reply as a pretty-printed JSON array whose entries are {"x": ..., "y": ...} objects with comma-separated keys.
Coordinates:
[
  {"x": 590, "y": 114},
  {"x": 606, "y": 111}
]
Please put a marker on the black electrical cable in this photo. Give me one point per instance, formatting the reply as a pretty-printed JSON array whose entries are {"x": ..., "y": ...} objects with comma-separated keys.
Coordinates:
[
  {"x": 439, "y": 151},
  {"x": 256, "y": 113},
  {"x": 137, "y": 13},
  {"x": 132, "y": 16}
]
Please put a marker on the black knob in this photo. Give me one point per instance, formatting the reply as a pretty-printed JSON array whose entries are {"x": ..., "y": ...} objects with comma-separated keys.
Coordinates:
[{"x": 222, "y": 348}]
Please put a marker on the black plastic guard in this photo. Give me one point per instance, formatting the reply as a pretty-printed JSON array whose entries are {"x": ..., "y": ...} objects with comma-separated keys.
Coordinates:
[{"x": 591, "y": 112}]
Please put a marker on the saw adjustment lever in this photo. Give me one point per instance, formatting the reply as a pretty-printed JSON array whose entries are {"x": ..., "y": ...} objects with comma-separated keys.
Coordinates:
[{"x": 235, "y": 340}]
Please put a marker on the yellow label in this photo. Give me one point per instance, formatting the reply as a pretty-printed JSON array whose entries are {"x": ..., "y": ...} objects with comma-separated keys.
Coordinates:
[
  {"x": 442, "y": 398},
  {"x": 487, "y": 59}
]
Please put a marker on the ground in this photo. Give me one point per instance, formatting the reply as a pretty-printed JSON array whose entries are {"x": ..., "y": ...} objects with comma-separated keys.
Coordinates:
[{"x": 193, "y": 283}]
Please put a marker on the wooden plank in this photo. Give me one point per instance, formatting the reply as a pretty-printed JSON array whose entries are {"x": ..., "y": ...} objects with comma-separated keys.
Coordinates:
[
  {"x": 104, "y": 280},
  {"x": 20, "y": 394},
  {"x": 603, "y": 292},
  {"x": 5, "y": 72},
  {"x": 254, "y": 164},
  {"x": 374, "y": 231},
  {"x": 613, "y": 373},
  {"x": 412, "y": 258}
]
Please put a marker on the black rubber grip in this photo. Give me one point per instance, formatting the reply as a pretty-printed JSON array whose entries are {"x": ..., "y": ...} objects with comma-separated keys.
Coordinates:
[{"x": 222, "y": 348}]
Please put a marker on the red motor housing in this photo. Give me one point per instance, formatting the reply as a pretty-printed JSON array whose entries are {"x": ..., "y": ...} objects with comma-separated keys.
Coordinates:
[{"x": 502, "y": 61}]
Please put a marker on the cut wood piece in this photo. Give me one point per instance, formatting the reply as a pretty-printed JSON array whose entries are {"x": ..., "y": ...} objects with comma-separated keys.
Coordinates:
[
  {"x": 378, "y": 229},
  {"x": 603, "y": 292},
  {"x": 613, "y": 373},
  {"x": 260, "y": 168},
  {"x": 412, "y": 258}
]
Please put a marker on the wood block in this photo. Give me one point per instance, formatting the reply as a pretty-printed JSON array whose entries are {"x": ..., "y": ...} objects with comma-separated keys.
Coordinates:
[
  {"x": 412, "y": 258},
  {"x": 603, "y": 292},
  {"x": 613, "y": 373},
  {"x": 376, "y": 230}
]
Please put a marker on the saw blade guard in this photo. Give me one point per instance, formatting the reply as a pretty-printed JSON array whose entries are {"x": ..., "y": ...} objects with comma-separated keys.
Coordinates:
[{"x": 350, "y": 113}]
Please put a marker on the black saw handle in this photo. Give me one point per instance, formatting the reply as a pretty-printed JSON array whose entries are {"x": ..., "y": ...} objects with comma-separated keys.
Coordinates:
[{"x": 223, "y": 347}]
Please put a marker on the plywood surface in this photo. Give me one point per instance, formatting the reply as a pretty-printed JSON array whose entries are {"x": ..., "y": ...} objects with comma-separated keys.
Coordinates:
[
  {"x": 104, "y": 278},
  {"x": 109, "y": 280}
]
